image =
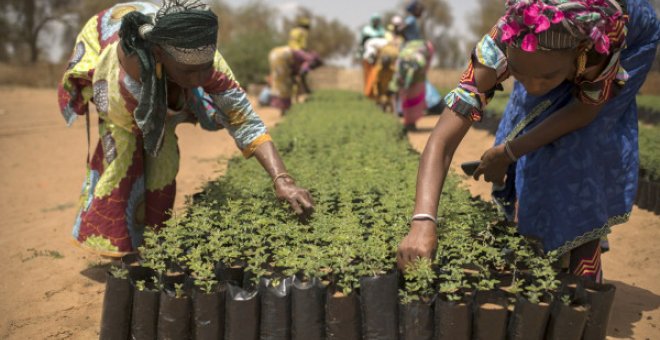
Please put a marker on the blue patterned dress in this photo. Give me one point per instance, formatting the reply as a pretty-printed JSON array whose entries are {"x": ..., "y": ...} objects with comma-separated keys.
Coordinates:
[{"x": 573, "y": 190}]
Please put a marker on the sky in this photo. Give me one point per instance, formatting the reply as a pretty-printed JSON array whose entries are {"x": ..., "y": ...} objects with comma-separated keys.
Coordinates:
[{"x": 355, "y": 13}]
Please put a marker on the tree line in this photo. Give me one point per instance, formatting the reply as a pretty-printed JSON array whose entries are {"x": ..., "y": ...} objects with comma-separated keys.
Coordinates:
[{"x": 247, "y": 32}]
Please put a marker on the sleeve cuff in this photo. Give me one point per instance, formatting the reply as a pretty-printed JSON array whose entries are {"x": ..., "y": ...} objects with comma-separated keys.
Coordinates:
[
  {"x": 465, "y": 103},
  {"x": 249, "y": 150}
]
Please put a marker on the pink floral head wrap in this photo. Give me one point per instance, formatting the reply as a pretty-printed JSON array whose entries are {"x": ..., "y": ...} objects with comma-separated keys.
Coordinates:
[{"x": 560, "y": 24}]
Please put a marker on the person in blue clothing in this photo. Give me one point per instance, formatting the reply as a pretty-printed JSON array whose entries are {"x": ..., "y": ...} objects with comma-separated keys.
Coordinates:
[
  {"x": 411, "y": 29},
  {"x": 566, "y": 151}
]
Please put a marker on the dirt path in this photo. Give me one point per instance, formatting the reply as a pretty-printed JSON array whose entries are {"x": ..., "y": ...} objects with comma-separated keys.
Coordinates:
[{"x": 51, "y": 290}]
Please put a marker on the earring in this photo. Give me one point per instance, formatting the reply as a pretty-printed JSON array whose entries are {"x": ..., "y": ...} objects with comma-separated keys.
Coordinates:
[
  {"x": 159, "y": 70},
  {"x": 581, "y": 64}
]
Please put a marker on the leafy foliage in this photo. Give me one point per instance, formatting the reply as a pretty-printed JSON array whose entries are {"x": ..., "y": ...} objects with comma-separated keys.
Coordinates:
[
  {"x": 649, "y": 158},
  {"x": 361, "y": 171}
]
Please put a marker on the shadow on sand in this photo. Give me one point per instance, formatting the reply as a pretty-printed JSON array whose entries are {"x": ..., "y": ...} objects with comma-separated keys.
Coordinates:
[{"x": 629, "y": 304}]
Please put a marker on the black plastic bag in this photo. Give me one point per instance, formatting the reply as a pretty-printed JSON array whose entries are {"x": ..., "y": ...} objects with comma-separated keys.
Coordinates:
[
  {"x": 145, "y": 314},
  {"x": 453, "y": 320},
  {"x": 343, "y": 317},
  {"x": 600, "y": 298},
  {"x": 209, "y": 313},
  {"x": 241, "y": 314},
  {"x": 117, "y": 303},
  {"x": 275, "y": 309},
  {"x": 566, "y": 321},
  {"x": 308, "y": 310},
  {"x": 144, "y": 318},
  {"x": 229, "y": 275},
  {"x": 528, "y": 320},
  {"x": 131, "y": 260},
  {"x": 642, "y": 194},
  {"x": 654, "y": 197},
  {"x": 379, "y": 297},
  {"x": 174, "y": 311},
  {"x": 417, "y": 320},
  {"x": 490, "y": 316}
]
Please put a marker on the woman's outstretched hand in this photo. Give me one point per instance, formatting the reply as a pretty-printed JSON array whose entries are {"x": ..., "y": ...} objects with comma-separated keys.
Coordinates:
[
  {"x": 494, "y": 164},
  {"x": 299, "y": 198},
  {"x": 421, "y": 241}
]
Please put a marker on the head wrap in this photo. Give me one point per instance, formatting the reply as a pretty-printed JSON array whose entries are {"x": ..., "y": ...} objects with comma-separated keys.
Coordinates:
[
  {"x": 303, "y": 22},
  {"x": 412, "y": 6},
  {"x": 187, "y": 31},
  {"x": 560, "y": 24},
  {"x": 396, "y": 21}
]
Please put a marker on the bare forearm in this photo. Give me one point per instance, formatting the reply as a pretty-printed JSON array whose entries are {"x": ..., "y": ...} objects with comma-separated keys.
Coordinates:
[
  {"x": 435, "y": 160},
  {"x": 572, "y": 117},
  {"x": 269, "y": 159}
]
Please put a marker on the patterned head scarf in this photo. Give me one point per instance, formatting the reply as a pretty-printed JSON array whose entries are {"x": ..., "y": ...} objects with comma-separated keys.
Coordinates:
[
  {"x": 186, "y": 30},
  {"x": 560, "y": 24}
]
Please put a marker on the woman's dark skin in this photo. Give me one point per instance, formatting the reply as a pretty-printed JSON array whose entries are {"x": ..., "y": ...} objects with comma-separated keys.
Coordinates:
[
  {"x": 450, "y": 129},
  {"x": 181, "y": 77}
]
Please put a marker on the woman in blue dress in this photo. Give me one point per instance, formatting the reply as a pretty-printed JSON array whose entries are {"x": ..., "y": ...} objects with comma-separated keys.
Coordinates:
[{"x": 566, "y": 151}]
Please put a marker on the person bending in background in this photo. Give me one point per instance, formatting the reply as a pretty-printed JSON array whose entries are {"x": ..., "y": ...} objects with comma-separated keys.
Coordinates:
[
  {"x": 288, "y": 67},
  {"x": 146, "y": 69},
  {"x": 566, "y": 151}
]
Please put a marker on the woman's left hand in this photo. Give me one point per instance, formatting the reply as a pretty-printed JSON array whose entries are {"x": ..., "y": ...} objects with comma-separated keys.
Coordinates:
[
  {"x": 494, "y": 164},
  {"x": 299, "y": 198}
]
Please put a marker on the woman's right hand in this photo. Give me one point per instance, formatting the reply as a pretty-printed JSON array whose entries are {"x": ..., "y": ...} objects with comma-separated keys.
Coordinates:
[{"x": 421, "y": 241}]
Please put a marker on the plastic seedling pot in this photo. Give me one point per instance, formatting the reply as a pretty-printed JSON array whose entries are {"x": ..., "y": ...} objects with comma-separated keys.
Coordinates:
[
  {"x": 342, "y": 317},
  {"x": 453, "y": 320},
  {"x": 416, "y": 320},
  {"x": 242, "y": 309},
  {"x": 307, "y": 309},
  {"x": 490, "y": 315},
  {"x": 379, "y": 303},
  {"x": 117, "y": 305},
  {"x": 275, "y": 308}
]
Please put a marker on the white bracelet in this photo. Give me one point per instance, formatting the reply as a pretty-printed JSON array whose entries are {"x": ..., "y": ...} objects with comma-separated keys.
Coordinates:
[
  {"x": 509, "y": 153},
  {"x": 422, "y": 217}
]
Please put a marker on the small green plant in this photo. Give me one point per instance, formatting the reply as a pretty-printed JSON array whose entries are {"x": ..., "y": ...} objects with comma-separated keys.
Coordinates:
[
  {"x": 118, "y": 272},
  {"x": 362, "y": 213},
  {"x": 179, "y": 292},
  {"x": 419, "y": 278},
  {"x": 452, "y": 283},
  {"x": 140, "y": 285}
]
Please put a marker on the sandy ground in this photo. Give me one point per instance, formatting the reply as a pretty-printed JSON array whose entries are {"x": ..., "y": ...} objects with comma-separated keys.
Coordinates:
[{"x": 52, "y": 290}]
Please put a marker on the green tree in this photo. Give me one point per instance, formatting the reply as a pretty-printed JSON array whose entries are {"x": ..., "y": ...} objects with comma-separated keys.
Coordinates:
[
  {"x": 449, "y": 50},
  {"x": 252, "y": 33},
  {"x": 26, "y": 20},
  {"x": 436, "y": 19},
  {"x": 225, "y": 22}
]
